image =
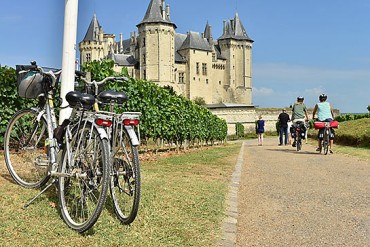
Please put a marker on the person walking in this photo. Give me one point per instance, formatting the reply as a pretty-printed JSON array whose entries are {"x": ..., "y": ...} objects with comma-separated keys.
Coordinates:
[
  {"x": 289, "y": 136},
  {"x": 283, "y": 123},
  {"x": 260, "y": 129}
]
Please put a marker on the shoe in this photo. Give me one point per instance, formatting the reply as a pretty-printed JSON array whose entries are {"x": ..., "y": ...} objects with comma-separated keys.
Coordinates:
[
  {"x": 331, "y": 151},
  {"x": 318, "y": 149},
  {"x": 280, "y": 144},
  {"x": 293, "y": 145}
]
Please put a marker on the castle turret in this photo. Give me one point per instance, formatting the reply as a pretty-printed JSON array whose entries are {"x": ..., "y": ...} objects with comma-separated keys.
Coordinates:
[
  {"x": 91, "y": 47},
  {"x": 236, "y": 47},
  {"x": 156, "y": 42}
]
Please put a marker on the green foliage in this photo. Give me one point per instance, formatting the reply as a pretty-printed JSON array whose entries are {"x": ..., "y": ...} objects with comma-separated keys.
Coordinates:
[
  {"x": 10, "y": 102},
  {"x": 349, "y": 117},
  {"x": 99, "y": 69},
  {"x": 239, "y": 130},
  {"x": 368, "y": 108},
  {"x": 164, "y": 114},
  {"x": 199, "y": 101}
]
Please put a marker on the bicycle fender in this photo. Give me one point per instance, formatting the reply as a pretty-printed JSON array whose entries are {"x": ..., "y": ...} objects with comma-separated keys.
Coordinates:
[
  {"x": 102, "y": 133},
  {"x": 131, "y": 132}
]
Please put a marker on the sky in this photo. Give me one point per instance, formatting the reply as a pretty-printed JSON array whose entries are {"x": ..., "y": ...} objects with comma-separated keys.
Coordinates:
[{"x": 301, "y": 48}]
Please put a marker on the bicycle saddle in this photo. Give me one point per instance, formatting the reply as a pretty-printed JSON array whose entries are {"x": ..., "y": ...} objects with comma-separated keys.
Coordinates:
[
  {"x": 110, "y": 96},
  {"x": 75, "y": 98}
]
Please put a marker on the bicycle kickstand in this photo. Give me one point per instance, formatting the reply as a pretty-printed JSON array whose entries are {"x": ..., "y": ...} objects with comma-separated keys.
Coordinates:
[{"x": 42, "y": 191}]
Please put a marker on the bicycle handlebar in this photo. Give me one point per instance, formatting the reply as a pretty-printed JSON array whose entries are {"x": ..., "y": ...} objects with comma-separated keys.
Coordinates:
[{"x": 110, "y": 78}]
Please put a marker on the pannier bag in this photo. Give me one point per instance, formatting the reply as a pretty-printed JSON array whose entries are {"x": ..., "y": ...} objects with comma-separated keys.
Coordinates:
[
  {"x": 321, "y": 125},
  {"x": 29, "y": 83}
]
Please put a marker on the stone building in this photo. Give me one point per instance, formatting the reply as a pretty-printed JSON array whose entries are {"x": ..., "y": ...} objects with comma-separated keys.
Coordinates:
[{"x": 195, "y": 64}]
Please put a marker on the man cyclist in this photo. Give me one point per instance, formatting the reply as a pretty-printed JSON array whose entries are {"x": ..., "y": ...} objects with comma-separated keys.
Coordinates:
[
  {"x": 324, "y": 114},
  {"x": 299, "y": 114}
]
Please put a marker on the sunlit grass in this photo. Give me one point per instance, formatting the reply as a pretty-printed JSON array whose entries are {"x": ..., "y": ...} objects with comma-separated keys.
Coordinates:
[{"x": 182, "y": 204}]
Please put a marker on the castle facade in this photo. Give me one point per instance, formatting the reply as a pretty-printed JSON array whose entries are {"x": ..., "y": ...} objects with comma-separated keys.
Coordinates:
[{"x": 194, "y": 64}]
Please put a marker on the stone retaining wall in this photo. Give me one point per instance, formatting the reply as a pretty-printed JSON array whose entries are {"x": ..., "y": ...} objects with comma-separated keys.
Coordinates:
[{"x": 247, "y": 115}]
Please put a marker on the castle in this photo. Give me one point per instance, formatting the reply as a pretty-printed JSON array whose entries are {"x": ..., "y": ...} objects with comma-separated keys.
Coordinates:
[{"x": 195, "y": 65}]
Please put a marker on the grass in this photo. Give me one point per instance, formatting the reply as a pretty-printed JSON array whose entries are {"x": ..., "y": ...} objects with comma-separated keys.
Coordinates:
[
  {"x": 182, "y": 204},
  {"x": 351, "y": 138},
  {"x": 354, "y": 132}
]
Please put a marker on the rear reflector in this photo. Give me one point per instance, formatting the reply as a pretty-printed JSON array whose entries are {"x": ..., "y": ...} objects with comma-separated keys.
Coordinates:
[
  {"x": 103, "y": 122},
  {"x": 131, "y": 122}
]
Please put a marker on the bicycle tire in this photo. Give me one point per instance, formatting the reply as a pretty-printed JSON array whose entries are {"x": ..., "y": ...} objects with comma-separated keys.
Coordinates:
[
  {"x": 299, "y": 145},
  {"x": 326, "y": 142},
  {"x": 24, "y": 152},
  {"x": 125, "y": 179},
  {"x": 83, "y": 190}
]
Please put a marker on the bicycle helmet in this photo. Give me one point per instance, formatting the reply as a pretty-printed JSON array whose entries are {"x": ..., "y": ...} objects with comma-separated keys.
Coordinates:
[
  {"x": 323, "y": 97},
  {"x": 300, "y": 99}
]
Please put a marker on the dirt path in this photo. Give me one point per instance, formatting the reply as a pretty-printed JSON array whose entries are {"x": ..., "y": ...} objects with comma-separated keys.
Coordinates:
[{"x": 290, "y": 198}]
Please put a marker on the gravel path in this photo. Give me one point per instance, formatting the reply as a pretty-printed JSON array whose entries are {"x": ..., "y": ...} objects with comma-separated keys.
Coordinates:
[{"x": 290, "y": 198}]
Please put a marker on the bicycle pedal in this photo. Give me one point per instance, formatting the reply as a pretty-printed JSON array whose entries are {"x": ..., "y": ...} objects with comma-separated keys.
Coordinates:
[{"x": 42, "y": 161}]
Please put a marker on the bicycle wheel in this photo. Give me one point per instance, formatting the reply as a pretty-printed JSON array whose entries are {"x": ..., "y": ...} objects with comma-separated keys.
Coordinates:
[
  {"x": 24, "y": 141},
  {"x": 125, "y": 179},
  {"x": 84, "y": 186},
  {"x": 299, "y": 143},
  {"x": 326, "y": 142}
]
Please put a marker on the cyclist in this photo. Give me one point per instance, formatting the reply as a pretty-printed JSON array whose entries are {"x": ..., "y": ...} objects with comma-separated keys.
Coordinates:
[
  {"x": 299, "y": 114},
  {"x": 324, "y": 114}
]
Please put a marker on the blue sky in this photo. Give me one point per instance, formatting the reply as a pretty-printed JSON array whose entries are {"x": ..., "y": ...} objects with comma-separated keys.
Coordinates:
[{"x": 301, "y": 48}]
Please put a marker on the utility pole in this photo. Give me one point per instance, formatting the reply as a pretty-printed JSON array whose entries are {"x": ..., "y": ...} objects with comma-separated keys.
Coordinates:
[{"x": 69, "y": 54}]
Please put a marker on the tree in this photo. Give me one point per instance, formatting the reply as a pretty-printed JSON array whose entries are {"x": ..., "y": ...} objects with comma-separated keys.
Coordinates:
[
  {"x": 368, "y": 108},
  {"x": 199, "y": 101}
]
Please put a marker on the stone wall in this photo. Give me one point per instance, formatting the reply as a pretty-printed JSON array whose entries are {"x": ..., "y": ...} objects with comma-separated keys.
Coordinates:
[{"x": 247, "y": 115}]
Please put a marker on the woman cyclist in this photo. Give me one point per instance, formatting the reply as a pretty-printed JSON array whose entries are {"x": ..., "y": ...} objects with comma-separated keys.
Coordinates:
[{"x": 324, "y": 114}]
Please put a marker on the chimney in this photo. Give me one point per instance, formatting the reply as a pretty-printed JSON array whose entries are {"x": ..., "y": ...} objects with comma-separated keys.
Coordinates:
[
  {"x": 168, "y": 11},
  {"x": 232, "y": 25},
  {"x": 224, "y": 27},
  {"x": 163, "y": 10},
  {"x": 120, "y": 43}
]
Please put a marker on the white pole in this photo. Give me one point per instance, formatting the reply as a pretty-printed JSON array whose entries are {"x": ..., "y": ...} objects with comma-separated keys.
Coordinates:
[{"x": 69, "y": 54}]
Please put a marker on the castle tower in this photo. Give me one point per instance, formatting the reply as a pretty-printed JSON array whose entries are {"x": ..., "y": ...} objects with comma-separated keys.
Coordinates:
[
  {"x": 91, "y": 47},
  {"x": 236, "y": 47},
  {"x": 156, "y": 44}
]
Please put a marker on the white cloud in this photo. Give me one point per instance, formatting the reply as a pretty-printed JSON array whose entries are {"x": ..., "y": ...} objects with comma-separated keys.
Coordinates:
[{"x": 262, "y": 91}]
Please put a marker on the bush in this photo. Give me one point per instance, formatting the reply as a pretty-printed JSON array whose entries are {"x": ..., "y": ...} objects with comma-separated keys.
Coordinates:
[
  {"x": 239, "y": 130},
  {"x": 10, "y": 102}
]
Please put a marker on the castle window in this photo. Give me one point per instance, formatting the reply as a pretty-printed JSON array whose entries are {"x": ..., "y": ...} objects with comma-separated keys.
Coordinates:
[
  {"x": 144, "y": 74},
  {"x": 219, "y": 82},
  {"x": 181, "y": 77},
  {"x": 143, "y": 42},
  {"x": 197, "y": 68},
  {"x": 204, "y": 68},
  {"x": 88, "y": 57},
  {"x": 144, "y": 59},
  {"x": 206, "y": 81}
]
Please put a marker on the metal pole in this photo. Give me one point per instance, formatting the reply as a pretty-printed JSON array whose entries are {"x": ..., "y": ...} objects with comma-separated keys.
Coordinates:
[{"x": 69, "y": 54}]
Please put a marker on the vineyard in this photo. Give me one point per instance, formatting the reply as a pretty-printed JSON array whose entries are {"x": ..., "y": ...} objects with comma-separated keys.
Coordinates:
[{"x": 166, "y": 117}]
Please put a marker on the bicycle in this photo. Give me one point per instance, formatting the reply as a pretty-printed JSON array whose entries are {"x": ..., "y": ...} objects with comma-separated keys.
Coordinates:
[
  {"x": 326, "y": 133},
  {"x": 298, "y": 133},
  {"x": 125, "y": 184},
  {"x": 74, "y": 155}
]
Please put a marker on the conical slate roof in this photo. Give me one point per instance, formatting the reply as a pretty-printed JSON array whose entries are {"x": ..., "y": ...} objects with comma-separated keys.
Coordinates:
[
  {"x": 235, "y": 30},
  {"x": 91, "y": 34},
  {"x": 154, "y": 13}
]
